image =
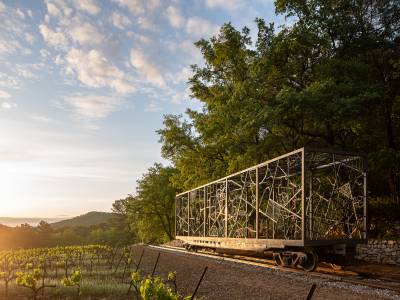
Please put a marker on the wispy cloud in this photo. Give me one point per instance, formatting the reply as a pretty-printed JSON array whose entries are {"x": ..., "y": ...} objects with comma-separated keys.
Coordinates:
[
  {"x": 88, "y": 6},
  {"x": 201, "y": 27},
  {"x": 8, "y": 105},
  {"x": 85, "y": 34},
  {"x": 14, "y": 31},
  {"x": 152, "y": 106},
  {"x": 4, "y": 94},
  {"x": 146, "y": 68},
  {"x": 229, "y": 5},
  {"x": 174, "y": 16},
  {"x": 42, "y": 119},
  {"x": 93, "y": 69},
  {"x": 93, "y": 106},
  {"x": 54, "y": 38},
  {"x": 119, "y": 20}
]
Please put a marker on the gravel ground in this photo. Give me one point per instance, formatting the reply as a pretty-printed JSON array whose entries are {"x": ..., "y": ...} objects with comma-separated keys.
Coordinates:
[{"x": 228, "y": 280}]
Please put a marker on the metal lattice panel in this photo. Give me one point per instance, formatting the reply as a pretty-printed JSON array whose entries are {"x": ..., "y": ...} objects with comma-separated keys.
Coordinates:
[
  {"x": 281, "y": 198},
  {"x": 335, "y": 196},
  {"x": 196, "y": 219},
  {"x": 216, "y": 201},
  {"x": 303, "y": 195},
  {"x": 242, "y": 205},
  {"x": 182, "y": 210}
]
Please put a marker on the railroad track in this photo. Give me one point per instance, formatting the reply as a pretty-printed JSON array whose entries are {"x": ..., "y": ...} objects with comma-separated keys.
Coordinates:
[{"x": 323, "y": 272}]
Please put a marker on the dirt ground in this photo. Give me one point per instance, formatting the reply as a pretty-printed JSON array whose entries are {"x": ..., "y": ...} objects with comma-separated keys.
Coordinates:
[
  {"x": 227, "y": 280},
  {"x": 378, "y": 270}
]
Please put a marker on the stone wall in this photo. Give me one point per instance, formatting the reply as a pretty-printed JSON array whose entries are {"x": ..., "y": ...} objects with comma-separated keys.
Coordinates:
[{"x": 380, "y": 251}]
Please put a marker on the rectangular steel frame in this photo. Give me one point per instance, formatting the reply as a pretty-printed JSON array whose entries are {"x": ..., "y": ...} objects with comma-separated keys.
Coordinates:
[{"x": 308, "y": 197}]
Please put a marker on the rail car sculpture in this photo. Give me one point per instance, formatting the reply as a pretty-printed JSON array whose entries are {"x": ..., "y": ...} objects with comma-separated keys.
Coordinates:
[{"x": 299, "y": 205}]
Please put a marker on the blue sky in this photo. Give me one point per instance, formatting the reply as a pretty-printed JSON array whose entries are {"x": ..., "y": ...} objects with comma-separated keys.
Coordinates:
[{"x": 84, "y": 84}]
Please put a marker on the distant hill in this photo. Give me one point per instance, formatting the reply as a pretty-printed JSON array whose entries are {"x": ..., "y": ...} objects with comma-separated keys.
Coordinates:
[
  {"x": 89, "y": 219},
  {"x": 12, "y": 222}
]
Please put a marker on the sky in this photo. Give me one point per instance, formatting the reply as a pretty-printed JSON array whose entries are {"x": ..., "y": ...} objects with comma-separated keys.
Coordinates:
[{"x": 84, "y": 85}]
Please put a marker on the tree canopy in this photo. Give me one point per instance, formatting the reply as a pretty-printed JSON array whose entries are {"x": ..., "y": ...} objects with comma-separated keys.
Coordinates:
[
  {"x": 150, "y": 212},
  {"x": 330, "y": 79}
]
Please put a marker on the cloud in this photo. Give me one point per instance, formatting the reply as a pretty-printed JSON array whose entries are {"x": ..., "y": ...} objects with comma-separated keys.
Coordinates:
[
  {"x": 44, "y": 53},
  {"x": 29, "y": 38},
  {"x": 140, "y": 37},
  {"x": 139, "y": 7},
  {"x": 181, "y": 96},
  {"x": 185, "y": 49},
  {"x": 136, "y": 7},
  {"x": 8, "y": 81},
  {"x": 145, "y": 68},
  {"x": 14, "y": 31},
  {"x": 8, "y": 46},
  {"x": 145, "y": 23},
  {"x": 120, "y": 21},
  {"x": 174, "y": 16},
  {"x": 183, "y": 76},
  {"x": 8, "y": 105},
  {"x": 94, "y": 70},
  {"x": 4, "y": 95},
  {"x": 42, "y": 119},
  {"x": 88, "y": 6},
  {"x": 86, "y": 34},
  {"x": 153, "y": 4},
  {"x": 53, "y": 38},
  {"x": 153, "y": 106},
  {"x": 24, "y": 71},
  {"x": 58, "y": 8},
  {"x": 53, "y": 10},
  {"x": 20, "y": 13},
  {"x": 93, "y": 106},
  {"x": 229, "y": 5},
  {"x": 201, "y": 27}
]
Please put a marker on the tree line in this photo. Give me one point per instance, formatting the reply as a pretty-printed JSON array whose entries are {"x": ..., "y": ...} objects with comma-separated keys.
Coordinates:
[{"x": 113, "y": 233}]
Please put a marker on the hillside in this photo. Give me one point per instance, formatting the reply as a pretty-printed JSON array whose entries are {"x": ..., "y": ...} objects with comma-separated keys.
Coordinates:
[
  {"x": 89, "y": 219},
  {"x": 13, "y": 221}
]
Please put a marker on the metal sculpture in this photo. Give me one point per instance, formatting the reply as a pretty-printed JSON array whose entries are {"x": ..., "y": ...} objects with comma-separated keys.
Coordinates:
[{"x": 306, "y": 196}]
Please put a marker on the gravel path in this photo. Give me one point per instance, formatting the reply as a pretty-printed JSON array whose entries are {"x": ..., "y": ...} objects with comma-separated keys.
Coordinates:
[{"x": 227, "y": 280}]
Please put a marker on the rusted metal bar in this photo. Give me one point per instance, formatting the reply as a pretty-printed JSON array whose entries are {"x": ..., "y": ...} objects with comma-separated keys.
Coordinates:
[
  {"x": 248, "y": 169},
  {"x": 205, "y": 211},
  {"x": 226, "y": 207},
  {"x": 188, "y": 214},
  {"x": 198, "y": 284},
  {"x": 136, "y": 269},
  {"x": 311, "y": 292},
  {"x": 303, "y": 213},
  {"x": 155, "y": 265},
  {"x": 140, "y": 260},
  {"x": 257, "y": 203}
]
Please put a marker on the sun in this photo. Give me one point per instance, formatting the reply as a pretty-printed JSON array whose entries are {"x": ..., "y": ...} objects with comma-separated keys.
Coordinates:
[{"x": 13, "y": 192}]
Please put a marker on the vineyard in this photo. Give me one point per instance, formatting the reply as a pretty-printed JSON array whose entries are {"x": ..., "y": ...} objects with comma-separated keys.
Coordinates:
[{"x": 80, "y": 272}]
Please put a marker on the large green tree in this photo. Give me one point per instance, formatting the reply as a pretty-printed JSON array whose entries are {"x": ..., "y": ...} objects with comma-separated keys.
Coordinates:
[
  {"x": 330, "y": 79},
  {"x": 150, "y": 212}
]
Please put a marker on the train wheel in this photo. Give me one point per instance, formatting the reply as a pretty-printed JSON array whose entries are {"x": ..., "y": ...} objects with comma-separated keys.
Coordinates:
[
  {"x": 311, "y": 262},
  {"x": 278, "y": 259}
]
